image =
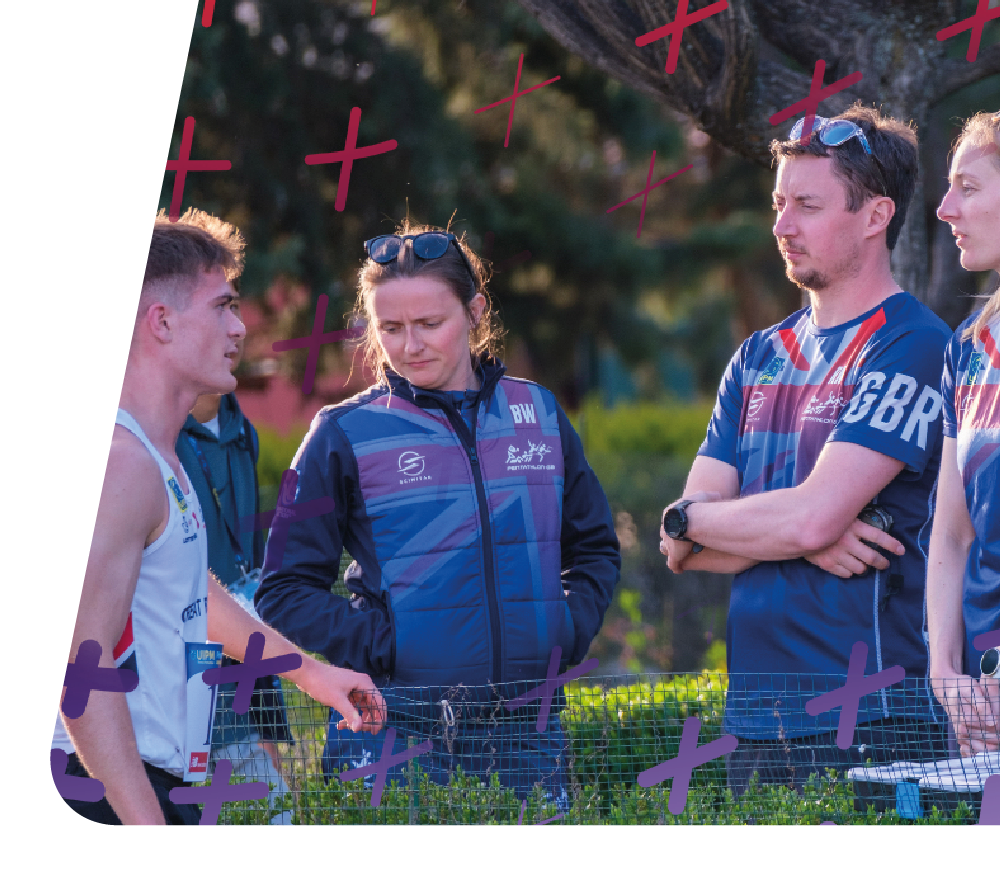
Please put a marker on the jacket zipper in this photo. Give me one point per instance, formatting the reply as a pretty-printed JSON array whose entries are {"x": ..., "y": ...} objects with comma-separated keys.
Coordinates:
[{"x": 462, "y": 429}]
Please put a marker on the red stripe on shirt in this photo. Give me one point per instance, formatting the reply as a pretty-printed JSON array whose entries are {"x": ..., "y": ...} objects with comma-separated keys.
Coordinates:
[
  {"x": 865, "y": 332},
  {"x": 125, "y": 642},
  {"x": 990, "y": 345},
  {"x": 792, "y": 347}
]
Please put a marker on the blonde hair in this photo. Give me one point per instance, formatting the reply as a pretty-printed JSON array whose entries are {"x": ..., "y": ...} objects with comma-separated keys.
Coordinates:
[
  {"x": 982, "y": 130},
  {"x": 485, "y": 336}
]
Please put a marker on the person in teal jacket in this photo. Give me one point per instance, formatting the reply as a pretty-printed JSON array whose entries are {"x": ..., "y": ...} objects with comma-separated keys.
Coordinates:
[{"x": 218, "y": 448}]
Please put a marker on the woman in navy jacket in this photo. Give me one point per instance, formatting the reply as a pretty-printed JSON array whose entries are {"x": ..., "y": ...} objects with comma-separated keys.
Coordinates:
[{"x": 481, "y": 538}]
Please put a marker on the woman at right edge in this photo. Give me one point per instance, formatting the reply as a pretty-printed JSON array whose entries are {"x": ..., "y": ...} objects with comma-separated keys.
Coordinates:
[{"x": 963, "y": 576}]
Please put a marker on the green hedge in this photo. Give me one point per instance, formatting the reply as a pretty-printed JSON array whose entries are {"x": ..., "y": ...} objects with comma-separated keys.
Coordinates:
[
  {"x": 612, "y": 735},
  {"x": 671, "y": 430}
]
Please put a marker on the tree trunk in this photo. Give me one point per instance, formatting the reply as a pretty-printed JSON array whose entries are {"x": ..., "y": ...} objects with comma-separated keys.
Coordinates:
[{"x": 739, "y": 67}]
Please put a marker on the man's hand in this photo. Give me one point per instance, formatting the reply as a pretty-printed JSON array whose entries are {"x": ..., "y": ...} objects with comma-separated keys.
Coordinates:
[
  {"x": 352, "y": 694},
  {"x": 342, "y": 689},
  {"x": 848, "y": 556},
  {"x": 677, "y": 551}
]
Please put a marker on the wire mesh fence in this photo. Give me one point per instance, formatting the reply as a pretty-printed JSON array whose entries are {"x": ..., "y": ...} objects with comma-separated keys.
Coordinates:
[{"x": 472, "y": 760}]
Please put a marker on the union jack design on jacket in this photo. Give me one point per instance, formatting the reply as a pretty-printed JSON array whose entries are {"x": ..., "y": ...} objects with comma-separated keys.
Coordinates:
[
  {"x": 479, "y": 549},
  {"x": 787, "y": 392},
  {"x": 970, "y": 387}
]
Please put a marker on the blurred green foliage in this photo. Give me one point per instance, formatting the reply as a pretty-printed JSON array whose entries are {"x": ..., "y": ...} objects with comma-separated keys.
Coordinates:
[{"x": 650, "y": 429}]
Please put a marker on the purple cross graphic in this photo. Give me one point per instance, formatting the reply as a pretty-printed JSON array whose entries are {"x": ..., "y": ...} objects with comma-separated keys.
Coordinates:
[
  {"x": 521, "y": 257},
  {"x": 287, "y": 512},
  {"x": 645, "y": 192},
  {"x": 386, "y": 761},
  {"x": 347, "y": 156},
  {"x": 184, "y": 163},
  {"x": 218, "y": 793},
  {"x": 675, "y": 30},
  {"x": 85, "y": 676},
  {"x": 252, "y": 668},
  {"x": 849, "y": 696},
  {"x": 73, "y": 788},
  {"x": 689, "y": 756},
  {"x": 989, "y": 810},
  {"x": 314, "y": 341},
  {"x": 987, "y": 640},
  {"x": 817, "y": 93},
  {"x": 524, "y": 805},
  {"x": 547, "y": 690},
  {"x": 975, "y": 24},
  {"x": 513, "y": 98}
]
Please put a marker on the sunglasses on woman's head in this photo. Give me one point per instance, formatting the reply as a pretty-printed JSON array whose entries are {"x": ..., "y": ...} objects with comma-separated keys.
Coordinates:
[
  {"x": 834, "y": 133},
  {"x": 426, "y": 246}
]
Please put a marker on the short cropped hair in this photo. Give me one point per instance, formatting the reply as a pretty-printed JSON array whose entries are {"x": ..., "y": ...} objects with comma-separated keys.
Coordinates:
[
  {"x": 894, "y": 143},
  {"x": 181, "y": 250}
]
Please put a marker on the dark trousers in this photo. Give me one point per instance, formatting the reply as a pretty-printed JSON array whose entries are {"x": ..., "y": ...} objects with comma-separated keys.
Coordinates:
[
  {"x": 790, "y": 762},
  {"x": 162, "y": 781}
]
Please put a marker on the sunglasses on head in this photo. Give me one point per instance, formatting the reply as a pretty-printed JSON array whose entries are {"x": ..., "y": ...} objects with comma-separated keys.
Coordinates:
[
  {"x": 426, "y": 246},
  {"x": 834, "y": 133}
]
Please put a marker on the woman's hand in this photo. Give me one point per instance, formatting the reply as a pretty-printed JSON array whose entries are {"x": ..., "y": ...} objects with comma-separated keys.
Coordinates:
[{"x": 973, "y": 708}]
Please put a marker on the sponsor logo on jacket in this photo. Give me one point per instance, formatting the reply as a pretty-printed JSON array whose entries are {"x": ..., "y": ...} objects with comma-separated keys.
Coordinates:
[
  {"x": 518, "y": 460},
  {"x": 411, "y": 465}
]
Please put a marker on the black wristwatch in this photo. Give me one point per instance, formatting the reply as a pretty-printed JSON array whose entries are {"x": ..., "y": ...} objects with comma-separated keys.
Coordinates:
[
  {"x": 989, "y": 663},
  {"x": 675, "y": 521}
]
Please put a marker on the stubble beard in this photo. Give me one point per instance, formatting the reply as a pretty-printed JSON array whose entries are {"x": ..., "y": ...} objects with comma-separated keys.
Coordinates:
[
  {"x": 813, "y": 280},
  {"x": 809, "y": 279}
]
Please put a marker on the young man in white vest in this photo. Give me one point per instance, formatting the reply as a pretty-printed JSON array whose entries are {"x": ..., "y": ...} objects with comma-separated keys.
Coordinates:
[{"x": 147, "y": 593}]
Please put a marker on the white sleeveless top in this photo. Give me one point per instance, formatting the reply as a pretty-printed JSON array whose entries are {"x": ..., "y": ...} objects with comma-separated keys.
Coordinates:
[{"x": 168, "y": 609}]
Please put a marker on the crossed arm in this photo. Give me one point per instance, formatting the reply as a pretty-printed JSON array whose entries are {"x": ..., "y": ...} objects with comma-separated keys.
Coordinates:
[
  {"x": 133, "y": 511},
  {"x": 816, "y": 519}
]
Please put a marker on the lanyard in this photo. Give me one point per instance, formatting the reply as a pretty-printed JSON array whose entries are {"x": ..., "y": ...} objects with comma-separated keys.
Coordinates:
[{"x": 237, "y": 550}]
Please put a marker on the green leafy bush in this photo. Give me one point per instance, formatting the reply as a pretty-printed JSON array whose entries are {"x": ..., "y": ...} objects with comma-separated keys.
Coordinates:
[{"x": 669, "y": 430}]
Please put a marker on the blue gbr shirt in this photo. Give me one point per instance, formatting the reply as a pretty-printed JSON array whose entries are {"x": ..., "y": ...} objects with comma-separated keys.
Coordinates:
[
  {"x": 971, "y": 390},
  {"x": 788, "y": 390}
]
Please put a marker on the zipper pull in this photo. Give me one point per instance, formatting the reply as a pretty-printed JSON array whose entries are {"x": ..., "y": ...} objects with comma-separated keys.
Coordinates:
[{"x": 472, "y": 455}]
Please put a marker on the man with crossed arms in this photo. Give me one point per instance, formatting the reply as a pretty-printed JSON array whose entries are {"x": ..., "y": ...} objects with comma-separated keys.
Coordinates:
[{"x": 817, "y": 417}]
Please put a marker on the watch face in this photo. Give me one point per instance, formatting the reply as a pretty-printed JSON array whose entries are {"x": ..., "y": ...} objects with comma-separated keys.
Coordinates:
[
  {"x": 989, "y": 663},
  {"x": 673, "y": 522}
]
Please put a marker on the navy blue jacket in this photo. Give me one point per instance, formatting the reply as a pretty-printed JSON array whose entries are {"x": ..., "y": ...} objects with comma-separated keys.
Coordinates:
[{"x": 477, "y": 551}]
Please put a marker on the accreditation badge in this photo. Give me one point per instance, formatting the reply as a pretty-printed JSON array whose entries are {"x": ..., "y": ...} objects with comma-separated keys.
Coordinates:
[{"x": 200, "y": 708}]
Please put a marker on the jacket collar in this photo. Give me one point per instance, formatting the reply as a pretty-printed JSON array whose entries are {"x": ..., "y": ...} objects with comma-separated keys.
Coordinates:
[
  {"x": 230, "y": 422},
  {"x": 490, "y": 370}
]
